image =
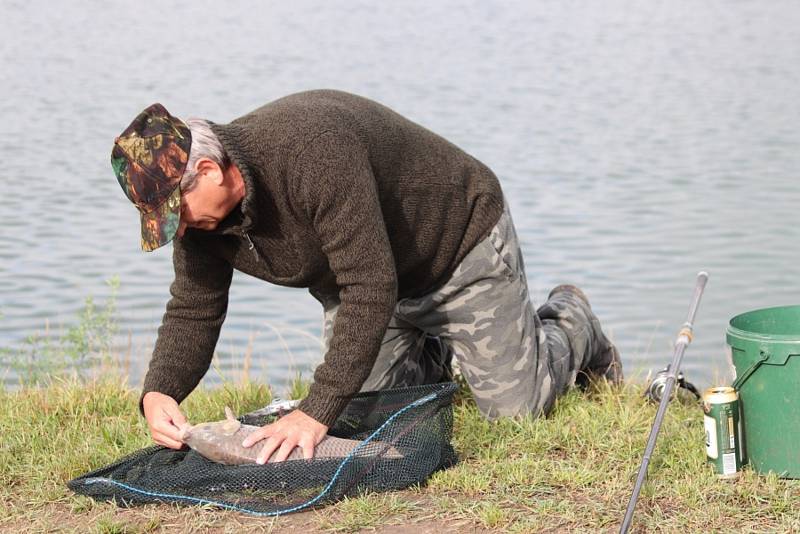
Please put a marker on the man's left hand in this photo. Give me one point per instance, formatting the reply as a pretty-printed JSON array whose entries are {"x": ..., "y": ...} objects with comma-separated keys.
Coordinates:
[{"x": 293, "y": 430}]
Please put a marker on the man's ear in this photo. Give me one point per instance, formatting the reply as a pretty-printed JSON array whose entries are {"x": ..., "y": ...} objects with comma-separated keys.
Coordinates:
[{"x": 209, "y": 168}]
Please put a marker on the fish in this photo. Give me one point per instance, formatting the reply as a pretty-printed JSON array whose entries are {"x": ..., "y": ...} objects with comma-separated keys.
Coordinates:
[{"x": 221, "y": 442}]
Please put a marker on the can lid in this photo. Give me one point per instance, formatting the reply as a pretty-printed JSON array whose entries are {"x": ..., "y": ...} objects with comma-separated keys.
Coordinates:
[{"x": 719, "y": 394}]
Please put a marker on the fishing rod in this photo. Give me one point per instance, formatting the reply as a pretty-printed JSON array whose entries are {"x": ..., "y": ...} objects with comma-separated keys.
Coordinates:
[{"x": 684, "y": 338}]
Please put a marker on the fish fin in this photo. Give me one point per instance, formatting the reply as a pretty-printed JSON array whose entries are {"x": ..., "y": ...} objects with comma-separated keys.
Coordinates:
[
  {"x": 231, "y": 425},
  {"x": 185, "y": 431},
  {"x": 230, "y": 428}
]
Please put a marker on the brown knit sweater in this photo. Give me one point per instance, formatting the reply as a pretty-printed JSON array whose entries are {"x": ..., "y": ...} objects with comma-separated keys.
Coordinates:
[{"x": 344, "y": 197}]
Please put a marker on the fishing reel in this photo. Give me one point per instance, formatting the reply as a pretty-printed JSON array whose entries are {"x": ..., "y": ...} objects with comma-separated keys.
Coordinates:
[{"x": 655, "y": 389}]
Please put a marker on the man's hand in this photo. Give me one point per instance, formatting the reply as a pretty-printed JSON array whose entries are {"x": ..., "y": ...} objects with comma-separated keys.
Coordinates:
[
  {"x": 164, "y": 418},
  {"x": 293, "y": 430}
]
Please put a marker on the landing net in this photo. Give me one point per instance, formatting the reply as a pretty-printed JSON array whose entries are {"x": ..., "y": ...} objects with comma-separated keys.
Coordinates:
[{"x": 416, "y": 421}]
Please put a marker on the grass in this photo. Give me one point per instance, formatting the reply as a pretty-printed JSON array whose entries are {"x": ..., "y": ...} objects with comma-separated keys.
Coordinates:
[
  {"x": 572, "y": 471},
  {"x": 85, "y": 347}
]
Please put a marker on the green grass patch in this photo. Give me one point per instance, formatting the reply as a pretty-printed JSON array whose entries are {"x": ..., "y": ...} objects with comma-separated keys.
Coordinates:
[{"x": 571, "y": 471}]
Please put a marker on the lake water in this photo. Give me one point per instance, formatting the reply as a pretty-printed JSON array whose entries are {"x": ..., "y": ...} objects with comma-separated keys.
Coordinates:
[{"x": 637, "y": 142}]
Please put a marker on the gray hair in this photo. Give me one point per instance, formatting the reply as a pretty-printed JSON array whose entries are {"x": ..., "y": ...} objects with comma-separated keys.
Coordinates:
[{"x": 205, "y": 144}]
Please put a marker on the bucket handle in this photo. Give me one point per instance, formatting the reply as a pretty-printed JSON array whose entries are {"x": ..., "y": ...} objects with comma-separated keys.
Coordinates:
[{"x": 764, "y": 356}]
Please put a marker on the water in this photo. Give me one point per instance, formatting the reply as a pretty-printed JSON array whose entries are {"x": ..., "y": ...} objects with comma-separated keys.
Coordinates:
[{"x": 637, "y": 142}]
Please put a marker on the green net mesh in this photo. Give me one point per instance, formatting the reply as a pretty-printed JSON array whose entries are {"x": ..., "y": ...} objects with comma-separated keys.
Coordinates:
[{"x": 416, "y": 421}]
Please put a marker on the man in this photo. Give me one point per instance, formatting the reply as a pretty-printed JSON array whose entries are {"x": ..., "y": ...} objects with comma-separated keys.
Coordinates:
[{"x": 406, "y": 240}]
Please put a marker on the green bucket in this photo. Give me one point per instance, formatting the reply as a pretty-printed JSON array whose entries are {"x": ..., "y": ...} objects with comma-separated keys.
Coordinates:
[{"x": 765, "y": 349}]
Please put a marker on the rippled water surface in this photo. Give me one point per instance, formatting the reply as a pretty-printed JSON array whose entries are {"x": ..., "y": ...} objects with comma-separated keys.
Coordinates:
[{"x": 637, "y": 142}]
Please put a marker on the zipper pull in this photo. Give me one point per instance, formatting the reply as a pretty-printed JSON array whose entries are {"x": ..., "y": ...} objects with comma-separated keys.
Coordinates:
[{"x": 251, "y": 245}]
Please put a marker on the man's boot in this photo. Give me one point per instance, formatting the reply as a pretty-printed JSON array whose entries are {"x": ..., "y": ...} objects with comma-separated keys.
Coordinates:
[{"x": 604, "y": 360}]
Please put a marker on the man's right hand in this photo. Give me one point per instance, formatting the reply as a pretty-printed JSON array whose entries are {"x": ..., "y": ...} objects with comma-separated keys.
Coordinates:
[{"x": 164, "y": 418}]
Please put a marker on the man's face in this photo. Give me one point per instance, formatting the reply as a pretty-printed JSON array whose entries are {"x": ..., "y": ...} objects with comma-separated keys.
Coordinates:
[{"x": 210, "y": 200}]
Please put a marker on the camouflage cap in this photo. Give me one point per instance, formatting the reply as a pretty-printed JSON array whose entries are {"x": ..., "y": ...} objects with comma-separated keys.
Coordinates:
[{"x": 149, "y": 158}]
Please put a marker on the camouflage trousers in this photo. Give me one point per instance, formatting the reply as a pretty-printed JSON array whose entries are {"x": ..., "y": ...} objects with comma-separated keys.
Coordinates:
[{"x": 516, "y": 360}]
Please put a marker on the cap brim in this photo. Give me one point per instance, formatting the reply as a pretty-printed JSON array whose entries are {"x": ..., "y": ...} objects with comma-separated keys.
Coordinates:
[{"x": 160, "y": 225}]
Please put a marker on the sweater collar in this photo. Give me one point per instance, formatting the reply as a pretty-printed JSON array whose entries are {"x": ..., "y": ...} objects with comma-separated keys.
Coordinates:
[{"x": 243, "y": 219}]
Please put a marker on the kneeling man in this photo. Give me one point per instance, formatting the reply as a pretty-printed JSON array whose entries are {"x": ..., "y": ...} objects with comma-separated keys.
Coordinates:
[{"x": 406, "y": 241}]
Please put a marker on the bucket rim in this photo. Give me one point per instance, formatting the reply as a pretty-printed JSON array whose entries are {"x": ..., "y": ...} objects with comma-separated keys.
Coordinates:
[{"x": 757, "y": 336}]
